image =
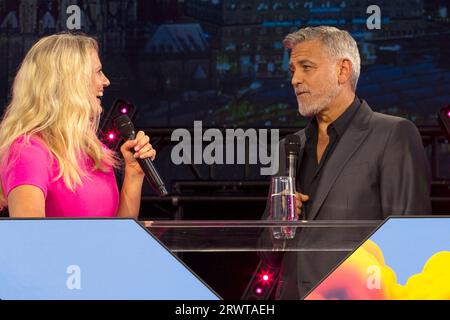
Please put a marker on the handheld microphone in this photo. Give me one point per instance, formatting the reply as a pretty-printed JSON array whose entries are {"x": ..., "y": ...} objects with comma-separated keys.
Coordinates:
[
  {"x": 126, "y": 129},
  {"x": 292, "y": 148}
]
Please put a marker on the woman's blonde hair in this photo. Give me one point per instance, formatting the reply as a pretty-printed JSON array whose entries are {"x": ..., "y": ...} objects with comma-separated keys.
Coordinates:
[{"x": 52, "y": 99}]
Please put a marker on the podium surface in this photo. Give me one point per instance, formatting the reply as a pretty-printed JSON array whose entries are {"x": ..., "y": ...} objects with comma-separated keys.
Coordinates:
[
  {"x": 248, "y": 235},
  {"x": 403, "y": 257},
  {"x": 400, "y": 258},
  {"x": 126, "y": 259},
  {"x": 231, "y": 255}
]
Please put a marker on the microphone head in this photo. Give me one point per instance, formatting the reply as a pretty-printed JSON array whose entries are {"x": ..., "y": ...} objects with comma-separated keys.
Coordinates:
[
  {"x": 292, "y": 144},
  {"x": 124, "y": 125}
]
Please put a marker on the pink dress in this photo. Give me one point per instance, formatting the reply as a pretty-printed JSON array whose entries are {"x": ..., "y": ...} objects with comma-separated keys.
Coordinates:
[{"x": 33, "y": 164}]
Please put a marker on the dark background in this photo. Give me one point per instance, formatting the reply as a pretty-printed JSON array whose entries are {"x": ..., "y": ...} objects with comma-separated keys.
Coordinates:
[{"x": 222, "y": 62}]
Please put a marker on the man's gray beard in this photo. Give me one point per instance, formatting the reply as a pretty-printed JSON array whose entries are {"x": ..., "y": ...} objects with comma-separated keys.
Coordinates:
[
  {"x": 314, "y": 108},
  {"x": 310, "y": 110}
]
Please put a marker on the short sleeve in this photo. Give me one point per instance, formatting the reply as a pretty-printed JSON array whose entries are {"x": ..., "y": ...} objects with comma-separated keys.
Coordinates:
[{"x": 29, "y": 163}]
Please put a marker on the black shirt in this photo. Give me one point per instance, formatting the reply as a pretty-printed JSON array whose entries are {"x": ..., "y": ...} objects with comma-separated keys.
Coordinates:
[{"x": 309, "y": 173}]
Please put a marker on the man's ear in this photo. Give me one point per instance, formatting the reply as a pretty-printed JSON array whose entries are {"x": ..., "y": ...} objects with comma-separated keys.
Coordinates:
[{"x": 345, "y": 71}]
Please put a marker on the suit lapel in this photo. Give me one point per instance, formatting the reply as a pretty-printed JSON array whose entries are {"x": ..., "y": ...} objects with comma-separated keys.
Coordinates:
[{"x": 353, "y": 137}]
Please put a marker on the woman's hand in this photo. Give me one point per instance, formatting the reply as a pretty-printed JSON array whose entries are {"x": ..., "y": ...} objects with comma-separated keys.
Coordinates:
[{"x": 137, "y": 148}]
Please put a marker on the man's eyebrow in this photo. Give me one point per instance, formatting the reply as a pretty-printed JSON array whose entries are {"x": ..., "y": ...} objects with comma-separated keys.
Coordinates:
[{"x": 306, "y": 61}]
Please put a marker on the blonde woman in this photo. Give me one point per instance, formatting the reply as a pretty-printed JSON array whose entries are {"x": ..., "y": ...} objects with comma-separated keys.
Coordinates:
[{"x": 51, "y": 162}]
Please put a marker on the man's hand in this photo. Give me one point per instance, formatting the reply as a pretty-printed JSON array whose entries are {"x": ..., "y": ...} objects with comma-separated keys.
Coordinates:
[{"x": 299, "y": 199}]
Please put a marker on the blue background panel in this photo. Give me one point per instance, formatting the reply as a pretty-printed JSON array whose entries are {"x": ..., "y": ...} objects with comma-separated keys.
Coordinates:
[{"x": 117, "y": 259}]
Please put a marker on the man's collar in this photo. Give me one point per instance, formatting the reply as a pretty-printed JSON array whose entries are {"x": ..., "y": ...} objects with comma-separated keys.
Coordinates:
[{"x": 340, "y": 124}]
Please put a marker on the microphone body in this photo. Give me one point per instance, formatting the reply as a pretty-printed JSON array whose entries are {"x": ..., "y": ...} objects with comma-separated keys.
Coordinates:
[
  {"x": 292, "y": 160},
  {"x": 126, "y": 128},
  {"x": 292, "y": 148}
]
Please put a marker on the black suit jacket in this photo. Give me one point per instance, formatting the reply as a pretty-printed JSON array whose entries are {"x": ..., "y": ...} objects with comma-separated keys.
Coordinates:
[{"x": 377, "y": 169}]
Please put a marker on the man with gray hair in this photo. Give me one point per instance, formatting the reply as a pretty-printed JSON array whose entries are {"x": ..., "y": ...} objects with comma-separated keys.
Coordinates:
[{"x": 354, "y": 164}]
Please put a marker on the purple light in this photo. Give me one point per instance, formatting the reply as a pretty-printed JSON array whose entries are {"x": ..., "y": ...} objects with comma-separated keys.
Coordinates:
[
  {"x": 258, "y": 290},
  {"x": 124, "y": 110},
  {"x": 448, "y": 114},
  {"x": 111, "y": 136}
]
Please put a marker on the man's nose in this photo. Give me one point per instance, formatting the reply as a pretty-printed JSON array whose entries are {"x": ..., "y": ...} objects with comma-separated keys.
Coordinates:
[{"x": 296, "y": 79}]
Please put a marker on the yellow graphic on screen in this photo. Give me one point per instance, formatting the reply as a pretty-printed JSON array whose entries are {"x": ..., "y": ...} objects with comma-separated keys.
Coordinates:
[{"x": 364, "y": 275}]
